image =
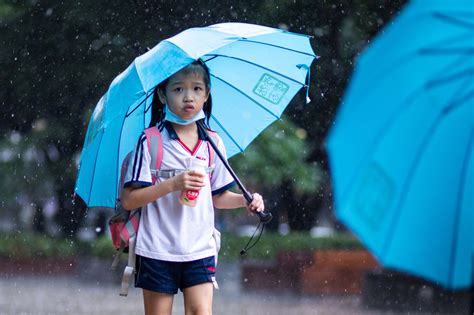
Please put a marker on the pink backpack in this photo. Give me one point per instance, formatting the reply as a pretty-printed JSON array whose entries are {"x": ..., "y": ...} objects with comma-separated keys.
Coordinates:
[{"x": 124, "y": 224}]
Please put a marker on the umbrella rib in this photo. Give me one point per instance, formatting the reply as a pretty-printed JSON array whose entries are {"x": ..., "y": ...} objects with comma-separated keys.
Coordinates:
[
  {"x": 227, "y": 133},
  {"x": 257, "y": 65},
  {"x": 247, "y": 96},
  {"x": 465, "y": 73},
  {"x": 458, "y": 61},
  {"x": 148, "y": 108},
  {"x": 437, "y": 48},
  {"x": 406, "y": 184},
  {"x": 121, "y": 130},
  {"x": 460, "y": 101},
  {"x": 431, "y": 49},
  {"x": 429, "y": 84},
  {"x": 95, "y": 164},
  {"x": 117, "y": 166},
  {"x": 467, "y": 156},
  {"x": 277, "y": 46},
  {"x": 377, "y": 140},
  {"x": 453, "y": 20},
  {"x": 415, "y": 163},
  {"x": 139, "y": 104},
  {"x": 448, "y": 51}
]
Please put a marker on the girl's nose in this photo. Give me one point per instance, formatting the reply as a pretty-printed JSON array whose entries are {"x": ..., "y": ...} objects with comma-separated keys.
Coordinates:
[{"x": 187, "y": 96}]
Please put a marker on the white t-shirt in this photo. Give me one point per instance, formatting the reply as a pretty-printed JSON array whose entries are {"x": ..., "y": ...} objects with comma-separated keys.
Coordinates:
[{"x": 168, "y": 230}]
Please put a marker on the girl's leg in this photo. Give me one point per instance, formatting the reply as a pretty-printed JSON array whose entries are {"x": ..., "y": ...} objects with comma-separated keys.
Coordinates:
[
  {"x": 198, "y": 299},
  {"x": 157, "y": 303}
]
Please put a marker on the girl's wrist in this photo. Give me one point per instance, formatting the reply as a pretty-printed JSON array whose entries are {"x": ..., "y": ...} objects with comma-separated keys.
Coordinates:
[
  {"x": 244, "y": 201},
  {"x": 168, "y": 185},
  {"x": 172, "y": 185}
]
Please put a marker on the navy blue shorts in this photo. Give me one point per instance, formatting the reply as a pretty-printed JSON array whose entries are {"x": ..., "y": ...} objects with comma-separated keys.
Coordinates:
[{"x": 167, "y": 276}]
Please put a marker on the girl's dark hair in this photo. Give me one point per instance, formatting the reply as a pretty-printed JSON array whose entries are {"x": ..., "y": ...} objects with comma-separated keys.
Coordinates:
[{"x": 197, "y": 67}]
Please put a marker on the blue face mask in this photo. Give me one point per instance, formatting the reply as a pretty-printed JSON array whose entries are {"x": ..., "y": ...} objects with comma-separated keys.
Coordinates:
[{"x": 172, "y": 117}]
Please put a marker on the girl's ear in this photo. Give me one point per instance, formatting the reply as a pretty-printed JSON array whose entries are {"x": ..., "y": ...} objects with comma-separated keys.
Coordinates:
[
  {"x": 207, "y": 95},
  {"x": 161, "y": 96}
]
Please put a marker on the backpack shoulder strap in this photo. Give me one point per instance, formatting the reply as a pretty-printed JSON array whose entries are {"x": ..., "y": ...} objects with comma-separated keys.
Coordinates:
[
  {"x": 154, "y": 141},
  {"x": 123, "y": 169},
  {"x": 214, "y": 138}
]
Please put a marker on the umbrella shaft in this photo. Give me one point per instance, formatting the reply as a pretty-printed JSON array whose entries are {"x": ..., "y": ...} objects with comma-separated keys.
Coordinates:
[
  {"x": 246, "y": 193},
  {"x": 265, "y": 217}
]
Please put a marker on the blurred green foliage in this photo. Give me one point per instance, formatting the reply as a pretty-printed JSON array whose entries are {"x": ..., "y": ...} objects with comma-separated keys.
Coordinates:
[
  {"x": 31, "y": 246},
  {"x": 279, "y": 154},
  {"x": 270, "y": 243},
  {"x": 6, "y": 10}
]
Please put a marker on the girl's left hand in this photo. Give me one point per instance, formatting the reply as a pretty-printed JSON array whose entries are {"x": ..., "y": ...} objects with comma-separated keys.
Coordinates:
[{"x": 257, "y": 204}]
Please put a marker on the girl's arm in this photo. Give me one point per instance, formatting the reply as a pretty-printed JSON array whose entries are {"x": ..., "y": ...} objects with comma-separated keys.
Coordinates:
[
  {"x": 231, "y": 200},
  {"x": 133, "y": 197}
]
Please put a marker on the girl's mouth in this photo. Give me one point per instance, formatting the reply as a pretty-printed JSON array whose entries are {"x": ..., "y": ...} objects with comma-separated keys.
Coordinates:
[{"x": 188, "y": 108}]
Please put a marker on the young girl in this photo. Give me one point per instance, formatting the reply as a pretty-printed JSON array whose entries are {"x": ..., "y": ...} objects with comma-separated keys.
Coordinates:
[{"x": 175, "y": 245}]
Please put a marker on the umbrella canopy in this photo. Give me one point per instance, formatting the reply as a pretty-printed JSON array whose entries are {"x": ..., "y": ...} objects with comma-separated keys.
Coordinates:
[
  {"x": 402, "y": 146},
  {"x": 255, "y": 72}
]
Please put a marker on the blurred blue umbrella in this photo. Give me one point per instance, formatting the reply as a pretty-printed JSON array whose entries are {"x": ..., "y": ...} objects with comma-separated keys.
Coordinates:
[
  {"x": 255, "y": 72},
  {"x": 402, "y": 146}
]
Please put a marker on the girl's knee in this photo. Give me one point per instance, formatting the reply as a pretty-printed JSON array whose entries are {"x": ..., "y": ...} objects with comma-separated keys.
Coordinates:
[
  {"x": 198, "y": 299},
  {"x": 198, "y": 306},
  {"x": 198, "y": 309}
]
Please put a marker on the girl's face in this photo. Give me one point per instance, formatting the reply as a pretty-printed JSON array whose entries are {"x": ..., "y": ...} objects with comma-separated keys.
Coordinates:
[{"x": 185, "y": 94}]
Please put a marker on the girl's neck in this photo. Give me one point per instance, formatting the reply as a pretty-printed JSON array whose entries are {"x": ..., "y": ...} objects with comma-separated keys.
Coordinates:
[
  {"x": 185, "y": 130},
  {"x": 188, "y": 135}
]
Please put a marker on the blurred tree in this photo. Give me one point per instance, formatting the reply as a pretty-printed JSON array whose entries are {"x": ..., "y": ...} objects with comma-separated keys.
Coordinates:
[
  {"x": 58, "y": 57},
  {"x": 276, "y": 163},
  {"x": 25, "y": 180},
  {"x": 341, "y": 29}
]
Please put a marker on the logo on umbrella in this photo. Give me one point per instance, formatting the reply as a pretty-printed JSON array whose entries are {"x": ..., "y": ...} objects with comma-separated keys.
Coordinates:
[{"x": 270, "y": 88}]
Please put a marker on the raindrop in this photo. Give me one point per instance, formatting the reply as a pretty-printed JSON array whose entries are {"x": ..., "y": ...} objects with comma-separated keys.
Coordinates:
[{"x": 283, "y": 26}]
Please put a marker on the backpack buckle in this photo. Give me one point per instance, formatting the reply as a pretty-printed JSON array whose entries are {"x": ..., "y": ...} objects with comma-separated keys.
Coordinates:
[{"x": 172, "y": 173}]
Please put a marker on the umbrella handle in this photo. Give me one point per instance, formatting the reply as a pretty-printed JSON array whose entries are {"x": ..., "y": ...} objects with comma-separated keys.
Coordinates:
[{"x": 265, "y": 217}]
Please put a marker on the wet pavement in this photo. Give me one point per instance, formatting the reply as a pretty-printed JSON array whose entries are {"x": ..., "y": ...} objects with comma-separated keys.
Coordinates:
[{"x": 81, "y": 294}]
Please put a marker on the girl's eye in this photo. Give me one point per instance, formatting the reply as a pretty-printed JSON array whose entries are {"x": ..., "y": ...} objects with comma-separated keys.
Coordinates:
[
  {"x": 178, "y": 89},
  {"x": 198, "y": 88}
]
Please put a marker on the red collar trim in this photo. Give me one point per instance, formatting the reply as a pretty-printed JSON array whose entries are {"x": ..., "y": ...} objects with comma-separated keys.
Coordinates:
[{"x": 193, "y": 151}]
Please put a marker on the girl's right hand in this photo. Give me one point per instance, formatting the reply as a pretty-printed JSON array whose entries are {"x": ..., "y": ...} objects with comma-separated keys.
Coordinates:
[{"x": 189, "y": 180}]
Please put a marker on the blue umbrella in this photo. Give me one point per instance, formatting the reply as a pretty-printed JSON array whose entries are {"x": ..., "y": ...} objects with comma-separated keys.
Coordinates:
[
  {"x": 402, "y": 146},
  {"x": 255, "y": 72}
]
